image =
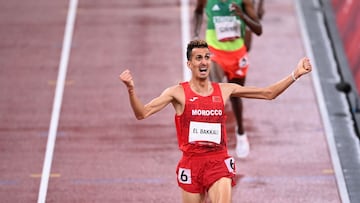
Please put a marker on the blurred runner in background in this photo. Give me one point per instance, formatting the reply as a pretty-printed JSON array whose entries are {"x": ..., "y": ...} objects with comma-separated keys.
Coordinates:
[{"x": 229, "y": 23}]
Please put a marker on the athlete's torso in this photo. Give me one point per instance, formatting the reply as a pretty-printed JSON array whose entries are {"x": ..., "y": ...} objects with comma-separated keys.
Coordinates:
[{"x": 201, "y": 127}]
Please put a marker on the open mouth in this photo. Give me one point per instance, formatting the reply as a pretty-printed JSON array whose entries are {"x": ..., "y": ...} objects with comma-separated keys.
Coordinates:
[{"x": 202, "y": 70}]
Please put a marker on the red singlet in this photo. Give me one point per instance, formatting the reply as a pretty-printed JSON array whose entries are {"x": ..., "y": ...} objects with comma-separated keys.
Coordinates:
[{"x": 201, "y": 127}]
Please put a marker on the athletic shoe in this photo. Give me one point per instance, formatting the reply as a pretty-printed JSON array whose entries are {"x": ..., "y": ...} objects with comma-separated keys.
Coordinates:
[{"x": 242, "y": 146}]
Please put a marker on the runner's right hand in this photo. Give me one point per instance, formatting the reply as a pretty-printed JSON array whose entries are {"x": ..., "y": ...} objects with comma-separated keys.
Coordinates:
[{"x": 126, "y": 78}]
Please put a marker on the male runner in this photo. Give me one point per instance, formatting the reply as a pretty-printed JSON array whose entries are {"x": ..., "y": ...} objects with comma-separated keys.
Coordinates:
[{"x": 205, "y": 167}]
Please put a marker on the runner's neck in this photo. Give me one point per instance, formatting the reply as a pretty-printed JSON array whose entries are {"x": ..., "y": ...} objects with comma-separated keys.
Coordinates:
[{"x": 203, "y": 88}]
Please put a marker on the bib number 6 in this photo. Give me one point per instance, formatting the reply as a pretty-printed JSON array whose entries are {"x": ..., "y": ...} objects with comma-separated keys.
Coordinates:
[
  {"x": 184, "y": 176},
  {"x": 230, "y": 164}
]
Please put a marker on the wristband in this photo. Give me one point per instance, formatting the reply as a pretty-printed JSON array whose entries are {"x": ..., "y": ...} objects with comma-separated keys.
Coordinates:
[{"x": 293, "y": 76}]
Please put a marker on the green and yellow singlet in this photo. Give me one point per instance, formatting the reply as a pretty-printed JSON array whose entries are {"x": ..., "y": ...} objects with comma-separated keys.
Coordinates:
[{"x": 225, "y": 30}]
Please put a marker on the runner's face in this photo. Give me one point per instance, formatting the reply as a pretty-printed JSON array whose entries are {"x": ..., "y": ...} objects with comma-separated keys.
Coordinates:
[{"x": 200, "y": 62}]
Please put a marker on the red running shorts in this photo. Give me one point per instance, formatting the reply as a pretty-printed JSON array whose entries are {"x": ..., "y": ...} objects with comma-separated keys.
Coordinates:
[{"x": 196, "y": 174}]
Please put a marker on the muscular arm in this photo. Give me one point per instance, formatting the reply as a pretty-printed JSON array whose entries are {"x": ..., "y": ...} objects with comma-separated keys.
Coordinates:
[
  {"x": 270, "y": 92},
  {"x": 143, "y": 111}
]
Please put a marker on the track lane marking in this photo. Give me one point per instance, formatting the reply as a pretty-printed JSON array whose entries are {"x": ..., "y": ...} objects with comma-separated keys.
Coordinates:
[{"x": 64, "y": 60}]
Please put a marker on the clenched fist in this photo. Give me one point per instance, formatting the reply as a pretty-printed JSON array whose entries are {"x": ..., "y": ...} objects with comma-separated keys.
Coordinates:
[
  {"x": 303, "y": 67},
  {"x": 126, "y": 78}
]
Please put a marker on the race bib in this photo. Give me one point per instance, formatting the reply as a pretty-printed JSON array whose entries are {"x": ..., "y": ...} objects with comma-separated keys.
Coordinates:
[
  {"x": 208, "y": 132},
  {"x": 227, "y": 27},
  {"x": 230, "y": 164},
  {"x": 184, "y": 176}
]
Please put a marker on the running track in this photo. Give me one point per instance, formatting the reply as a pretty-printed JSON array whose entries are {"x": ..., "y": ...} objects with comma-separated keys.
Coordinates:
[{"x": 102, "y": 154}]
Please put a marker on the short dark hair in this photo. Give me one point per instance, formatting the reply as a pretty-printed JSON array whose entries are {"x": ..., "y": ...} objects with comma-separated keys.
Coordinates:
[{"x": 198, "y": 43}]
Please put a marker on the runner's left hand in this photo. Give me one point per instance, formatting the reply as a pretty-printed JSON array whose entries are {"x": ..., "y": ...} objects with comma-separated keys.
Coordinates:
[{"x": 303, "y": 67}]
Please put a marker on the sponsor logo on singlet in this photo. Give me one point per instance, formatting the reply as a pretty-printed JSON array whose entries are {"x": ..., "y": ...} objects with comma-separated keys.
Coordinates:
[
  {"x": 215, "y": 8},
  {"x": 193, "y": 99},
  {"x": 202, "y": 112}
]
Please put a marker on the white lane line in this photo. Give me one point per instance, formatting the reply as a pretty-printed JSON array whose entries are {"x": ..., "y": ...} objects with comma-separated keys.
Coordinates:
[
  {"x": 57, "y": 100},
  {"x": 322, "y": 106},
  {"x": 185, "y": 34}
]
